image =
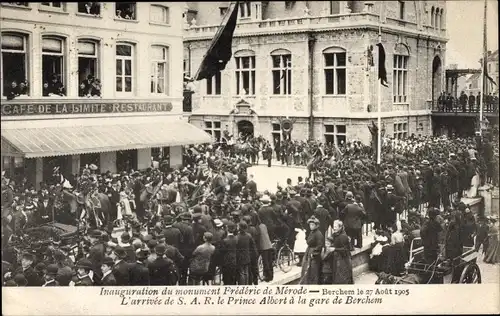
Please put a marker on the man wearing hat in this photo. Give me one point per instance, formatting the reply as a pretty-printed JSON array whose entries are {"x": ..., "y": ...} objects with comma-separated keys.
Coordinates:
[
  {"x": 125, "y": 240},
  {"x": 173, "y": 235},
  {"x": 96, "y": 252},
  {"x": 50, "y": 275},
  {"x": 198, "y": 229},
  {"x": 353, "y": 216},
  {"x": 268, "y": 217},
  {"x": 430, "y": 236},
  {"x": 187, "y": 244},
  {"x": 27, "y": 270},
  {"x": 121, "y": 267},
  {"x": 162, "y": 271},
  {"x": 311, "y": 268},
  {"x": 139, "y": 273},
  {"x": 83, "y": 268},
  {"x": 227, "y": 256},
  {"x": 107, "y": 279}
]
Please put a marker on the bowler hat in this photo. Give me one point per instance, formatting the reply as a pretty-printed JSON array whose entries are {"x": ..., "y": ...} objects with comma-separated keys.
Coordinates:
[
  {"x": 265, "y": 199},
  {"x": 142, "y": 254},
  {"x": 152, "y": 244},
  {"x": 185, "y": 216},
  {"x": 125, "y": 237},
  {"x": 40, "y": 267},
  {"x": 84, "y": 264},
  {"x": 108, "y": 261},
  {"x": 52, "y": 269},
  {"x": 120, "y": 252},
  {"x": 20, "y": 279},
  {"x": 160, "y": 249}
]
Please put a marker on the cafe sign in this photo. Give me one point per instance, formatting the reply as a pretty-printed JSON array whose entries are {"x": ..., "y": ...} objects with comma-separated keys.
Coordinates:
[{"x": 83, "y": 108}]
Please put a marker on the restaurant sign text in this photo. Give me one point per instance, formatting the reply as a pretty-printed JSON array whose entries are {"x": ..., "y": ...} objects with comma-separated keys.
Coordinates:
[{"x": 83, "y": 108}]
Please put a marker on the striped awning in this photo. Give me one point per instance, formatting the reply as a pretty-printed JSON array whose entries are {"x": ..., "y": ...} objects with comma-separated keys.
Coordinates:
[{"x": 73, "y": 140}]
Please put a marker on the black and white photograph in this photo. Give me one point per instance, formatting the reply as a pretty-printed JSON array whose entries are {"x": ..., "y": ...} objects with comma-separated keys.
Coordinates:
[{"x": 249, "y": 144}]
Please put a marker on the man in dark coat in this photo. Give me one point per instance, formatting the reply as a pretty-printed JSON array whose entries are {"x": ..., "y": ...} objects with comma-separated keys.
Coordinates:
[
  {"x": 353, "y": 216},
  {"x": 96, "y": 253},
  {"x": 251, "y": 186},
  {"x": 187, "y": 245},
  {"x": 162, "y": 271},
  {"x": 139, "y": 273},
  {"x": 173, "y": 235},
  {"x": 114, "y": 199},
  {"x": 198, "y": 230},
  {"x": 121, "y": 267},
  {"x": 107, "y": 279},
  {"x": 268, "y": 217},
  {"x": 463, "y": 101},
  {"x": 227, "y": 256},
  {"x": 28, "y": 271},
  {"x": 323, "y": 215},
  {"x": 82, "y": 278},
  {"x": 430, "y": 236},
  {"x": 246, "y": 252},
  {"x": 472, "y": 101},
  {"x": 51, "y": 275},
  {"x": 129, "y": 249}
]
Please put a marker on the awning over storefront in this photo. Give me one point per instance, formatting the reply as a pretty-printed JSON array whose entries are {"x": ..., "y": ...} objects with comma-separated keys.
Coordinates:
[{"x": 73, "y": 140}]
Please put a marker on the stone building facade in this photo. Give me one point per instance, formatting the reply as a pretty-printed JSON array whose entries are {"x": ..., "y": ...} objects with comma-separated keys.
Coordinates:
[
  {"x": 132, "y": 48},
  {"x": 333, "y": 93}
]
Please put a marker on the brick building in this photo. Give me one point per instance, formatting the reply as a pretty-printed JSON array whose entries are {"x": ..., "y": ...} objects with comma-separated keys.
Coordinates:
[
  {"x": 332, "y": 91},
  {"x": 57, "y": 118}
]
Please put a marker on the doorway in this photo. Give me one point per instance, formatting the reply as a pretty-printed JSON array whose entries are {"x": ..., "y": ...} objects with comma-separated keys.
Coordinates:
[{"x": 245, "y": 129}]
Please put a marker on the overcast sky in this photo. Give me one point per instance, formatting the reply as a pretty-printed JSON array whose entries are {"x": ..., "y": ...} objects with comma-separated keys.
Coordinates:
[{"x": 465, "y": 31}]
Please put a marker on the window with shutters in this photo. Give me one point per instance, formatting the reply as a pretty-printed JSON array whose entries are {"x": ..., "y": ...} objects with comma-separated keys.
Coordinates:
[
  {"x": 55, "y": 5},
  {"x": 88, "y": 67},
  {"x": 159, "y": 70},
  {"x": 282, "y": 72},
  {"x": 335, "y": 71},
  {"x": 53, "y": 66},
  {"x": 124, "y": 68},
  {"x": 335, "y": 134},
  {"x": 400, "y": 79},
  {"x": 14, "y": 63},
  {"x": 245, "y": 75},
  {"x": 245, "y": 9},
  {"x": 159, "y": 14}
]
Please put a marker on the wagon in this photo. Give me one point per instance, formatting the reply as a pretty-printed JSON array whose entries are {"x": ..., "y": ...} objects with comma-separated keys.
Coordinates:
[{"x": 462, "y": 269}]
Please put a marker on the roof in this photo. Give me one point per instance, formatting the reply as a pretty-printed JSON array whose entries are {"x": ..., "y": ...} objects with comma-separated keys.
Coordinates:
[
  {"x": 71, "y": 140},
  {"x": 493, "y": 56}
]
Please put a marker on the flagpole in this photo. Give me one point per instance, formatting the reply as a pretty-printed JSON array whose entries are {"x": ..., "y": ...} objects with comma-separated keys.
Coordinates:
[
  {"x": 483, "y": 70},
  {"x": 286, "y": 88},
  {"x": 379, "y": 102}
]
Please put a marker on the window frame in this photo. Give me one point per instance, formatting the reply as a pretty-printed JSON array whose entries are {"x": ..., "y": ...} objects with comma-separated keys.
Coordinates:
[
  {"x": 336, "y": 134},
  {"x": 166, "y": 72},
  {"x": 25, "y": 38},
  {"x": 400, "y": 93},
  {"x": 214, "y": 84},
  {"x": 285, "y": 72},
  {"x": 402, "y": 10},
  {"x": 245, "y": 10},
  {"x": 132, "y": 58},
  {"x": 400, "y": 130},
  {"x": 99, "y": 4},
  {"x": 167, "y": 14},
  {"x": 64, "y": 61},
  {"x": 124, "y": 19},
  {"x": 239, "y": 73},
  {"x": 331, "y": 7},
  {"x": 96, "y": 56},
  {"x": 335, "y": 51},
  {"x": 210, "y": 128}
]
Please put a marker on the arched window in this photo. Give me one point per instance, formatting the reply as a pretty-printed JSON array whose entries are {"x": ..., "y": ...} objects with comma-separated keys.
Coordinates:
[
  {"x": 281, "y": 71},
  {"x": 125, "y": 58},
  {"x": 159, "y": 69},
  {"x": 245, "y": 72},
  {"x": 14, "y": 64},
  {"x": 436, "y": 18},
  {"x": 88, "y": 68},
  {"x": 441, "y": 18},
  {"x": 53, "y": 65},
  {"x": 335, "y": 65},
  {"x": 400, "y": 74},
  {"x": 432, "y": 17}
]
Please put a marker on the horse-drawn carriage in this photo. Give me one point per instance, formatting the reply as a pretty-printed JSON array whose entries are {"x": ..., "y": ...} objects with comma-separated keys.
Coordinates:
[{"x": 462, "y": 269}]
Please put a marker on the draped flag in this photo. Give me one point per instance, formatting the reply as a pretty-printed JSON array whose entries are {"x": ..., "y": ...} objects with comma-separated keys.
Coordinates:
[
  {"x": 219, "y": 53},
  {"x": 382, "y": 72}
]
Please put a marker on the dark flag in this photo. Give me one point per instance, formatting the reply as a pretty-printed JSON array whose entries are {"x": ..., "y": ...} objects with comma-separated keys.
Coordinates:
[
  {"x": 219, "y": 52},
  {"x": 382, "y": 73}
]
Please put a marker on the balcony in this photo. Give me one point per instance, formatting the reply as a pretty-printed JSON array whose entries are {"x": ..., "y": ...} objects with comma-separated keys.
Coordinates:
[{"x": 456, "y": 109}]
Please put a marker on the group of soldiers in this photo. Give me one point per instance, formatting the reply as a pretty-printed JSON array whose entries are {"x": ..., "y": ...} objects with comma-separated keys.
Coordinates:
[{"x": 467, "y": 103}]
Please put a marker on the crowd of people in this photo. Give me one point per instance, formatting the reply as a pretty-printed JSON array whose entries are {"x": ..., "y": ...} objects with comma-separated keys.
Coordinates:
[
  {"x": 208, "y": 219},
  {"x": 467, "y": 103}
]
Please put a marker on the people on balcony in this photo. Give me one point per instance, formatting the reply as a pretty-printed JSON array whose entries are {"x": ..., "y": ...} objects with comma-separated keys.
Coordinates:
[
  {"x": 54, "y": 87},
  {"x": 15, "y": 90},
  {"x": 90, "y": 87}
]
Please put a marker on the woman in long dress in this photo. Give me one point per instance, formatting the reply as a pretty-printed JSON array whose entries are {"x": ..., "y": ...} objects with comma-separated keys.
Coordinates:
[
  {"x": 397, "y": 255},
  {"x": 311, "y": 265},
  {"x": 492, "y": 254},
  {"x": 337, "y": 264}
]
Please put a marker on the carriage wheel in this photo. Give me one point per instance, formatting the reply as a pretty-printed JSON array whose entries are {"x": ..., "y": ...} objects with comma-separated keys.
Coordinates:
[
  {"x": 471, "y": 274},
  {"x": 285, "y": 258},
  {"x": 260, "y": 266}
]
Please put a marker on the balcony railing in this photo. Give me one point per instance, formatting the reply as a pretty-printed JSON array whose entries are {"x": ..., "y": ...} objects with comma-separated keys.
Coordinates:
[{"x": 456, "y": 107}]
